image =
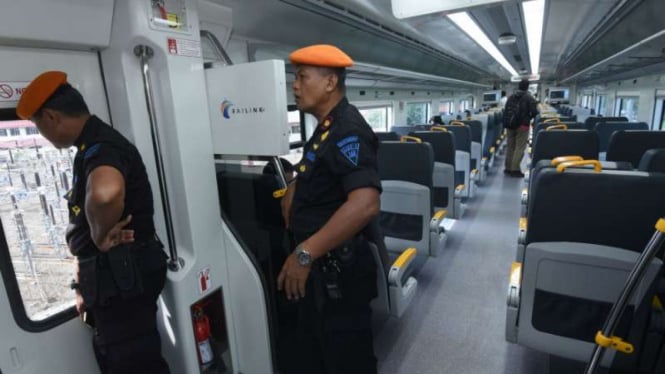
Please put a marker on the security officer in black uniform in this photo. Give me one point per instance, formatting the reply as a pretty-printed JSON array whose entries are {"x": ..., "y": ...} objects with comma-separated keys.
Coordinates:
[
  {"x": 331, "y": 274},
  {"x": 121, "y": 267}
]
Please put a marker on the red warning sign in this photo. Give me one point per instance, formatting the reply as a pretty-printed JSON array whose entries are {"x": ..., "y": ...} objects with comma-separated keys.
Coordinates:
[
  {"x": 12, "y": 91},
  {"x": 184, "y": 47}
]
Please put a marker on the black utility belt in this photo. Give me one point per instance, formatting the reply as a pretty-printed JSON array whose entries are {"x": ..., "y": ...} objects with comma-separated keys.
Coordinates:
[{"x": 118, "y": 272}]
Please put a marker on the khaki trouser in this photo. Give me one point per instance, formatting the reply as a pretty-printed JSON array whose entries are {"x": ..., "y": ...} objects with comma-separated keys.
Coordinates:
[{"x": 517, "y": 140}]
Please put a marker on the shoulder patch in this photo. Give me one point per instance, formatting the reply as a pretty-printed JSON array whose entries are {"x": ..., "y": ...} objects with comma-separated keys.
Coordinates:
[
  {"x": 350, "y": 148},
  {"x": 91, "y": 151}
]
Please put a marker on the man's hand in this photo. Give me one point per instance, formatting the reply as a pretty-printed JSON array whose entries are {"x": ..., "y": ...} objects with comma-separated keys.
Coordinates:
[
  {"x": 293, "y": 278},
  {"x": 117, "y": 235},
  {"x": 80, "y": 305},
  {"x": 286, "y": 202}
]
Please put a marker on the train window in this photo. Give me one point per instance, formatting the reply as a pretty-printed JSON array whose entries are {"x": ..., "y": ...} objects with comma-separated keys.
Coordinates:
[
  {"x": 417, "y": 113},
  {"x": 378, "y": 118},
  {"x": 601, "y": 104},
  {"x": 627, "y": 106},
  {"x": 446, "y": 107},
  {"x": 659, "y": 114},
  {"x": 14, "y": 131},
  {"x": 34, "y": 218},
  {"x": 293, "y": 118},
  {"x": 466, "y": 104}
]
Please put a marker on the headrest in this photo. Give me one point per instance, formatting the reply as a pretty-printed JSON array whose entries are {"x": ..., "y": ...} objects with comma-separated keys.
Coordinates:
[
  {"x": 653, "y": 161},
  {"x": 38, "y": 91}
]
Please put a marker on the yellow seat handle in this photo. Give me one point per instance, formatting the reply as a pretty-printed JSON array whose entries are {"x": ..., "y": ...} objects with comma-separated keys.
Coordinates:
[
  {"x": 407, "y": 138},
  {"x": 614, "y": 342},
  {"x": 660, "y": 225},
  {"x": 556, "y": 161},
  {"x": 407, "y": 255},
  {"x": 560, "y": 126},
  {"x": 550, "y": 120},
  {"x": 597, "y": 167},
  {"x": 278, "y": 194},
  {"x": 438, "y": 128},
  {"x": 457, "y": 123}
]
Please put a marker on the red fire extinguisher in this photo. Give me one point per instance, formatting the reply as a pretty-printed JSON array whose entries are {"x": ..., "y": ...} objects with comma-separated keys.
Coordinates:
[{"x": 202, "y": 336}]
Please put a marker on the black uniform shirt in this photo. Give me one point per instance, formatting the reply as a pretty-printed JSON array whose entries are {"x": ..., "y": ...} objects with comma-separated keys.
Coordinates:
[
  {"x": 339, "y": 158},
  {"x": 99, "y": 144}
]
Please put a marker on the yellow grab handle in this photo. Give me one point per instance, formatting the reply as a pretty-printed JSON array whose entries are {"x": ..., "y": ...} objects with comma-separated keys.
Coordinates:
[
  {"x": 660, "y": 225},
  {"x": 279, "y": 193},
  {"x": 550, "y": 120},
  {"x": 561, "y": 126},
  {"x": 406, "y": 138},
  {"x": 614, "y": 342},
  {"x": 404, "y": 257},
  {"x": 457, "y": 123},
  {"x": 515, "y": 274},
  {"x": 438, "y": 128},
  {"x": 440, "y": 214},
  {"x": 558, "y": 160},
  {"x": 597, "y": 167}
]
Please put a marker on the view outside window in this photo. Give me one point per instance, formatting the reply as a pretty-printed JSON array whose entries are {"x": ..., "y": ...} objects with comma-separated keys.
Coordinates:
[
  {"x": 377, "y": 118},
  {"x": 34, "y": 177},
  {"x": 446, "y": 107},
  {"x": 601, "y": 104},
  {"x": 417, "y": 113},
  {"x": 628, "y": 106}
]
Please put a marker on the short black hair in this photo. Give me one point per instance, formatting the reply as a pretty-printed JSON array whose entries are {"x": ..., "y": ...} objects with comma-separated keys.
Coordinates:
[
  {"x": 341, "y": 76},
  {"x": 523, "y": 85},
  {"x": 68, "y": 100}
]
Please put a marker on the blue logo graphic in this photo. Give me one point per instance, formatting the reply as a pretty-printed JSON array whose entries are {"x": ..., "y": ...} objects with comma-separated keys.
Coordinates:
[
  {"x": 350, "y": 148},
  {"x": 224, "y": 108}
]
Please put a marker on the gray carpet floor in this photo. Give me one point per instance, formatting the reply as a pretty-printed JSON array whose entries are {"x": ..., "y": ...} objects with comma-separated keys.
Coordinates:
[{"x": 456, "y": 323}]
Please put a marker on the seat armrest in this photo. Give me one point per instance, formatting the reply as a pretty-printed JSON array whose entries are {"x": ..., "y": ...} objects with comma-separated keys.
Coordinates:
[
  {"x": 400, "y": 266},
  {"x": 437, "y": 218},
  {"x": 459, "y": 189}
]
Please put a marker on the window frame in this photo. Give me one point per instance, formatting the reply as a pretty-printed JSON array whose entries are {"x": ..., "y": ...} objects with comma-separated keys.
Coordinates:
[
  {"x": 427, "y": 115},
  {"x": 388, "y": 112}
]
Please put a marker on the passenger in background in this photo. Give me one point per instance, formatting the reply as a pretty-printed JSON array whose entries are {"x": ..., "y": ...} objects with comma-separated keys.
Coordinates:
[
  {"x": 467, "y": 115},
  {"x": 504, "y": 99},
  {"x": 436, "y": 120},
  {"x": 331, "y": 274},
  {"x": 121, "y": 267},
  {"x": 520, "y": 109}
]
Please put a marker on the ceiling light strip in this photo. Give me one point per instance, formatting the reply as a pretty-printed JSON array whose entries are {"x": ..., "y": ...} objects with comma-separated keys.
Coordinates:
[
  {"x": 471, "y": 28},
  {"x": 534, "y": 17}
]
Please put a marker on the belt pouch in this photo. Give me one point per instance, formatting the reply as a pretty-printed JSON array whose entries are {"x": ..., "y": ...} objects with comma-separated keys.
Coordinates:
[
  {"x": 88, "y": 280},
  {"x": 125, "y": 270}
]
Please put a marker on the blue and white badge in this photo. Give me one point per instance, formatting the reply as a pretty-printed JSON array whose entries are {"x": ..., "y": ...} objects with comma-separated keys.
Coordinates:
[{"x": 350, "y": 148}]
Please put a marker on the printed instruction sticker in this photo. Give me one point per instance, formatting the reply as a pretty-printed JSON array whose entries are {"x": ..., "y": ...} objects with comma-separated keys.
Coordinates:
[
  {"x": 204, "y": 280},
  {"x": 184, "y": 47},
  {"x": 12, "y": 91}
]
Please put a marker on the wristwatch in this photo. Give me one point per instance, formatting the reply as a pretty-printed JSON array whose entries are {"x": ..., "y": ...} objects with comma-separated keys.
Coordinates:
[{"x": 303, "y": 256}]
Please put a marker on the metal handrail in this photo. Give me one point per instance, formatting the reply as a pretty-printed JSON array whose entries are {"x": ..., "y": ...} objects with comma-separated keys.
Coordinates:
[
  {"x": 215, "y": 42},
  {"x": 145, "y": 53}
]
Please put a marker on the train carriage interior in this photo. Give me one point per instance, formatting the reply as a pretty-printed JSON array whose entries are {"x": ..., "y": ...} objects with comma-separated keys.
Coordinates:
[{"x": 478, "y": 271}]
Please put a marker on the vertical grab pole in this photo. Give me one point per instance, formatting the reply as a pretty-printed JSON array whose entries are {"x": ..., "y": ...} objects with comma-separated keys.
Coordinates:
[
  {"x": 145, "y": 53},
  {"x": 604, "y": 338}
]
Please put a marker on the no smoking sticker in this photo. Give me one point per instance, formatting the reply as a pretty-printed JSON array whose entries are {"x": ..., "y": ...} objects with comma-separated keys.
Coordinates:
[{"x": 12, "y": 91}]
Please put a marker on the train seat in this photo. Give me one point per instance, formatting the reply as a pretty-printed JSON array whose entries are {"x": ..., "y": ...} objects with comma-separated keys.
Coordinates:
[
  {"x": 606, "y": 129},
  {"x": 446, "y": 195},
  {"x": 477, "y": 161},
  {"x": 630, "y": 145},
  {"x": 653, "y": 161},
  {"x": 387, "y": 136},
  {"x": 556, "y": 143},
  {"x": 408, "y": 218},
  {"x": 464, "y": 174},
  {"x": 257, "y": 220},
  {"x": 591, "y": 122},
  {"x": 584, "y": 237}
]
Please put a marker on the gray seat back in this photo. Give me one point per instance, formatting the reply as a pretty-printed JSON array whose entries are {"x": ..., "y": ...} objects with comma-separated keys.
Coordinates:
[
  {"x": 556, "y": 143},
  {"x": 591, "y": 122},
  {"x": 630, "y": 145},
  {"x": 542, "y": 126},
  {"x": 653, "y": 161},
  {"x": 606, "y": 129},
  {"x": 387, "y": 136}
]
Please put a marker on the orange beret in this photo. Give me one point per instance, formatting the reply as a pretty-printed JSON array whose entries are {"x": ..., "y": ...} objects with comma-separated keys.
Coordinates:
[
  {"x": 38, "y": 91},
  {"x": 321, "y": 55}
]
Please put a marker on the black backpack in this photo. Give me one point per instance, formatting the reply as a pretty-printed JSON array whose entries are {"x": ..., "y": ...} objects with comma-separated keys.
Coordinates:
[{"x": 513, "y": 113}]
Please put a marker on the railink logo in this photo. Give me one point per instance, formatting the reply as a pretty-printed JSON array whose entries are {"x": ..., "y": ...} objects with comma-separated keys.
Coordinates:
[{"x": 225, "y": 107}]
